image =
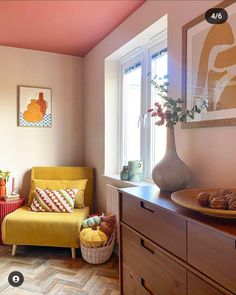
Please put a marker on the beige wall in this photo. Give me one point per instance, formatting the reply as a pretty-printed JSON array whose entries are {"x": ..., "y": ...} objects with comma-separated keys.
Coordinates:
[
  {"x": 210, "y": 151},
  {"x": 21, "y": 147}
]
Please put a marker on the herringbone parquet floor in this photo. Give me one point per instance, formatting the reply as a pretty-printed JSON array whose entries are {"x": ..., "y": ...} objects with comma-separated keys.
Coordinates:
[{"x": 53, "y": 271}]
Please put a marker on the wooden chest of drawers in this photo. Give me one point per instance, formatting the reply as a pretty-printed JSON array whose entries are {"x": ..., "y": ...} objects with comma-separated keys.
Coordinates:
[
  {"x": 157, "y": 271},
  {"x": 167, "y": 250},
  {"x": 167, "y": 230}
]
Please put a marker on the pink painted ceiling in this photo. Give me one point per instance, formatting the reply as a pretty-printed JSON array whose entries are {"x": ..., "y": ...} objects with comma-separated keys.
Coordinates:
[{"x": 68, "y": 27}]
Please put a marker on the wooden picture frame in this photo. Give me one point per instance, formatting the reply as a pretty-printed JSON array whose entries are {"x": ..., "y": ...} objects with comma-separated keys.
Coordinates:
[
  {"x": 34, "y": 106},
  {"x": 208, "y": 73}
]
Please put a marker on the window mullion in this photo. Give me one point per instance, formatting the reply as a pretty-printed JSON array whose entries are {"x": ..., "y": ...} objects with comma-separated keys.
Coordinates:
[
  {"x": 124, "y": 129},
  {"x": 143, "y": 106},
  {"x": 143, "y": 111},
  {"x": 148, "y": 123}
]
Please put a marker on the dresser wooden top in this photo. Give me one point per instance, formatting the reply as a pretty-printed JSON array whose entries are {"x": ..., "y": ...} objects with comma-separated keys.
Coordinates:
[{"x": 154, "y": 196}]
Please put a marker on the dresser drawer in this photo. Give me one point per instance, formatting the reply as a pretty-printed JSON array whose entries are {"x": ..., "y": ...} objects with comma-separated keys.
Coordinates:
[
  {"x": 133, "y": 284},
  {"x": 197, "y": 286},
  {"x": 162, "y": 274},
  {"x": 212, "y": 253},
  {"x": 164, "y": 228}
]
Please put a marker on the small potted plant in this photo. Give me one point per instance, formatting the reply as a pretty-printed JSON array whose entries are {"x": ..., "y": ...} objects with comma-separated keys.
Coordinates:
[{"x": 4, "y": 177}]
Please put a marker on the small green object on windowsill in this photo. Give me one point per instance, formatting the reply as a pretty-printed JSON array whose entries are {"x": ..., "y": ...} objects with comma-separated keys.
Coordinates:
[{"x": 124, "y": 174}]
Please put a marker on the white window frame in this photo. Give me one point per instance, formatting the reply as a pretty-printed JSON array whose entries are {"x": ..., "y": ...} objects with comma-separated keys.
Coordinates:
[
  {"x": 126, "y": 63},
  {"x": 142, "y": 54}
]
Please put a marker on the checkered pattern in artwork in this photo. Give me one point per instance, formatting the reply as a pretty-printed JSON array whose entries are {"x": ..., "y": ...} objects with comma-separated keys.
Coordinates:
[{"x": 46, "y": 122}]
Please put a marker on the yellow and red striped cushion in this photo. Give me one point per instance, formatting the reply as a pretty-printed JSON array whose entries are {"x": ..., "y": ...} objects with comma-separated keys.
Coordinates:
[{"x": 54, "y": 200}]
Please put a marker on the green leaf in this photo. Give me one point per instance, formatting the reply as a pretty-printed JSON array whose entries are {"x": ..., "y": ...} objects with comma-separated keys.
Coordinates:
[
  {"x": 167, "y": 105},
  {"x": 182, "y": 118},
  {"x": 175, "y": 117}
]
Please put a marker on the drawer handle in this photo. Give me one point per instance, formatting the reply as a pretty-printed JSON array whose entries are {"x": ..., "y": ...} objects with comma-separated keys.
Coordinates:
[
  {"x": 146, "y": 287},
  {"x": 146, "y": 246},
  {"x": 146, "y": 208}
]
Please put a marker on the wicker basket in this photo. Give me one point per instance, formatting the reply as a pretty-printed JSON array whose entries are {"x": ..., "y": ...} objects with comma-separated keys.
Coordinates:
[{"x": 98, "y": 255}]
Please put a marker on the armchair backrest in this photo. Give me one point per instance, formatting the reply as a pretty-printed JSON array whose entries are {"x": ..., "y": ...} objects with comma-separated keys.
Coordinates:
[{"x": 69, "y": 173}]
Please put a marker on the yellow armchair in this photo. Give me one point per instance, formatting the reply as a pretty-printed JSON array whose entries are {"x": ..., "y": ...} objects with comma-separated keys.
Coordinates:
[{"x": 25, "y": 227}]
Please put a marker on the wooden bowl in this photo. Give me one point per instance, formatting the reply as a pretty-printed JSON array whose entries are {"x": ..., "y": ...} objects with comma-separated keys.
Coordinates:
[{"x": 188, "y": 199}]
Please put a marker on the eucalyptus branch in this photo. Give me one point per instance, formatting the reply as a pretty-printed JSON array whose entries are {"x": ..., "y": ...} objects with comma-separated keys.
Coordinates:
[{"x": 171, "y": 111}]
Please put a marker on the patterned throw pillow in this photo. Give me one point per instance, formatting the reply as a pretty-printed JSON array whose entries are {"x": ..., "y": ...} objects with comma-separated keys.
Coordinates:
[
  {"x": 54, "y": 200},
  {"x": 79, "y": 184}
]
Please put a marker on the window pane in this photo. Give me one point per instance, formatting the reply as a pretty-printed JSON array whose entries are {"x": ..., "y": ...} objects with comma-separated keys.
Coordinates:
[
  {"x": 158, "y": 133},
  {"x": 132, "y": 110}
]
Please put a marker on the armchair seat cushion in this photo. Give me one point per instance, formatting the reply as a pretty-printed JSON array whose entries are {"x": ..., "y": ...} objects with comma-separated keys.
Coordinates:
[{"x": 25, "y": 227}]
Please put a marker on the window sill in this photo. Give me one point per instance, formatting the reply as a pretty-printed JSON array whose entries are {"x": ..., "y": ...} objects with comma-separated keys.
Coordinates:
[{"x": 116, "y": 178}]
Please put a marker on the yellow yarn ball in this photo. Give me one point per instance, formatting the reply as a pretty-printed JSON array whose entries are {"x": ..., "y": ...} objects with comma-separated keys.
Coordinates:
[{"x": 93, "y": 238}]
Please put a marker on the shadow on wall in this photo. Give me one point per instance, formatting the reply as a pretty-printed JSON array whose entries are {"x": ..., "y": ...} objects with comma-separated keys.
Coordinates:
[{"x": 25, "y": 187}]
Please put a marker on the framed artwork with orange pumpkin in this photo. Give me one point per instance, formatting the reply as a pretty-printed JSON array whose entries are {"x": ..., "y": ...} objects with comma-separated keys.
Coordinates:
[{"x": 34, "y": 106}]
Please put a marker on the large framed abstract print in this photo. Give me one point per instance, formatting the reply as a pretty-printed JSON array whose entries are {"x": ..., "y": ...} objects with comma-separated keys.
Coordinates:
[{"x": 209, "y": 68}]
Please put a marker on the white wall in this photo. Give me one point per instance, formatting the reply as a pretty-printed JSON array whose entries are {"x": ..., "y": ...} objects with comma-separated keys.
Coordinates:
[
  {"x": 209, "y": 152},
  {"x": 22, "y": 147},
  {"x": 111, "y": 116}
]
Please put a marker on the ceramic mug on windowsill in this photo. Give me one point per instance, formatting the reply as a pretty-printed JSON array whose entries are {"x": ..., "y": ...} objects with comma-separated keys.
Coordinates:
[{"x": 135, "y": 170}]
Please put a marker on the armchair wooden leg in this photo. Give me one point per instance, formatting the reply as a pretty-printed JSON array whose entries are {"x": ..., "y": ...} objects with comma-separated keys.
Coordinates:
[
  {"x": 14, "y": 250},
  {"x": 73, "y": 252}
]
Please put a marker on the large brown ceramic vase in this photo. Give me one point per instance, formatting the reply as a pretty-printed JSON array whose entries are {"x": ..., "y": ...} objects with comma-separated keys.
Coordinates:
[{"x": 171, "y": 173}]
